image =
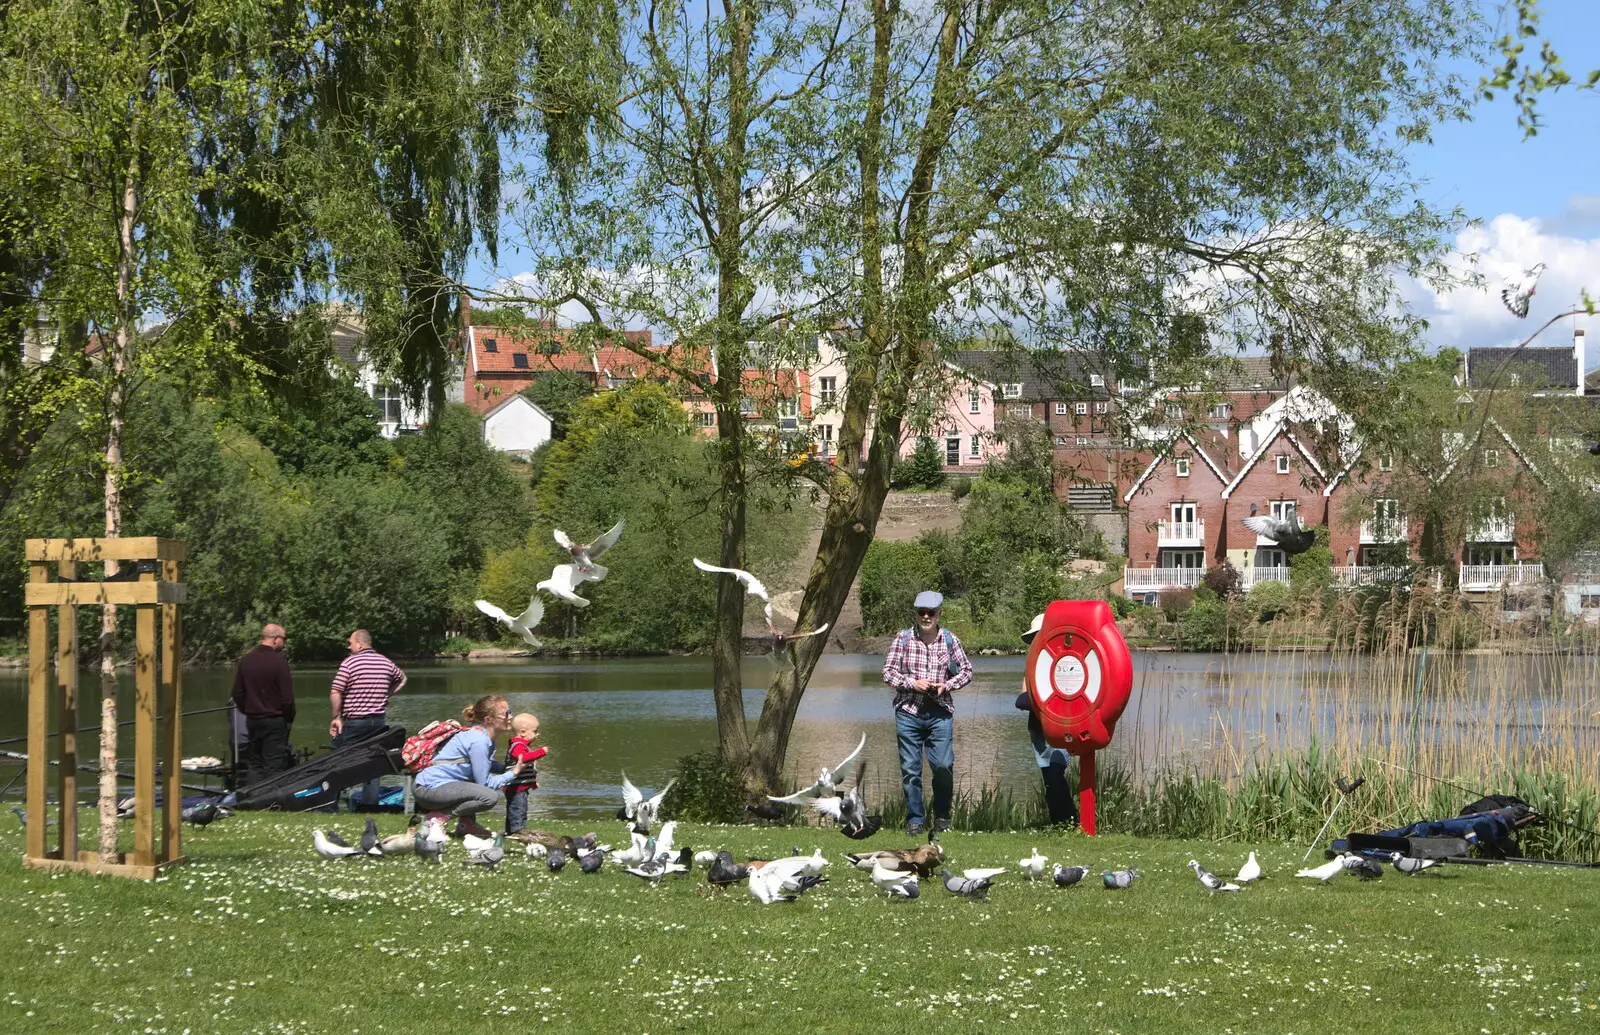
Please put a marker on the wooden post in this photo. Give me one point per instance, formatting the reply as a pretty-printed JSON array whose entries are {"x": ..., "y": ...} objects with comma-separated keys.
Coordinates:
[
  {"x": 67, "y": 715},
  {"x": 144, "y": 733},
  {"x": 172, "y": 716},
  {"x": 38, "y": 715}
]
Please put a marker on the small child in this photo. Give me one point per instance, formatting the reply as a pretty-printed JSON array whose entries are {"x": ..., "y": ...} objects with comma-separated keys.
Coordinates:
[{"x": 524, "y": 730}]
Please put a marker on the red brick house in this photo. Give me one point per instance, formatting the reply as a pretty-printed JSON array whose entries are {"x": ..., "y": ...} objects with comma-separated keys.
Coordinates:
[
  {"x": 1176, "y": 515},
  {"x": 1280, "y": 478},
  {"x": 501, "y": 362}
]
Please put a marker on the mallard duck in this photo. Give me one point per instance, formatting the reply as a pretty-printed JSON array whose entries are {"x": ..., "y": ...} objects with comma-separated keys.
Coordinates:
[
  {"x": 922, "y": 858},
  {"x": 403, "y": 843}
]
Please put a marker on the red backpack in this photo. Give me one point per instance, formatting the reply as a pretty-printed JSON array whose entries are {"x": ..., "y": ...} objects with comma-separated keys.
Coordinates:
[{"x": 417, "y": 753}]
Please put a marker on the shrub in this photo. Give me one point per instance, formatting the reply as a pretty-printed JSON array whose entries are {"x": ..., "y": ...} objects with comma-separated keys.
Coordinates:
[
  {"x": 1223, "y": 580},
  {"x": 923, "y": 469},
  {"x": 706, "y": 791},
  {"x": 1121, "y": 606},
  {"x": 959, "y": 487},
  {"x": 1174, "y": 602},
  {"x": 1268, "y": 599},
  {"x": 1204, "y": 626},
  {"x": 1312, "y": 571},
  {"x": 892, "y": 574}
]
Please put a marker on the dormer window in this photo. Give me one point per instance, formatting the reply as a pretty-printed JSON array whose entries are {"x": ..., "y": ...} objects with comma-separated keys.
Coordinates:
[
  {"x": 1182, "y": 466},
  {"x": 1385, "y": 463},
  {"x": 1283, "y": 463},
  {"x": 1012, "y": 391},
  {"x": 1491, "y": 458},
  {"x": 520, "y": 360},
  {"x": 1097, "y": 381},
  {"x": 490, "y": 345}
]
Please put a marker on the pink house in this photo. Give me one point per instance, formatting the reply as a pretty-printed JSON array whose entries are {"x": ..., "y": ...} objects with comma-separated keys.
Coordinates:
[{"x": 958, "y": 415}]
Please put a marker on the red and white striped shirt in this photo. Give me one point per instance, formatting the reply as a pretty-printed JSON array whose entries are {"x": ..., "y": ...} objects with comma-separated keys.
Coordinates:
[{"x": 364, "y": 682}]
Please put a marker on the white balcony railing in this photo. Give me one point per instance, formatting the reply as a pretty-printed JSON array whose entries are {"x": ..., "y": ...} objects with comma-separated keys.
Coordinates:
[
  {"x": 1181, "y": 533},
  {"x": 1495, "y": 576},
  {"x": 1495, "y": 530},
  {"x": 1136, "y": 580},
  {"x": 1364, "y": 575},
  {"x": 1256, "y": 576},
  {"x": 1393, "y": 531}
]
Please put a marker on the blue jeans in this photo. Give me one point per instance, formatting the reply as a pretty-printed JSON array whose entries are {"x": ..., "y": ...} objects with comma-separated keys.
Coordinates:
[
  {"x": 516, "y": 811},
  {"x": 360, "y": 729},
  {"x": 930, "y": 734}
]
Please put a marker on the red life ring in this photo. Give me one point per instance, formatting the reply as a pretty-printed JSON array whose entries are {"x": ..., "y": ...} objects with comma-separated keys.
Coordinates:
[{"x": 1079, "y": 675}]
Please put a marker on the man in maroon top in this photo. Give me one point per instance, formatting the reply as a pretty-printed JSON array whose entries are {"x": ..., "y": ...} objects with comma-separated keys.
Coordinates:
[
  {"x": 264, "y": 694},
  {"x": 360, "y": 699}
]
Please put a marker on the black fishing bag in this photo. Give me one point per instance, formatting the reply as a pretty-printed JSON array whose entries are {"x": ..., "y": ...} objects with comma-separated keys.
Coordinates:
[{"x": 319, "y": 781}]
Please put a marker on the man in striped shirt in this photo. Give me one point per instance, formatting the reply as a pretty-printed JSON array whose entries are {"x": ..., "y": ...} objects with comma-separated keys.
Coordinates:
[
  {"x": 924, "y": 664},
  {"x": 360, "y": 697}
]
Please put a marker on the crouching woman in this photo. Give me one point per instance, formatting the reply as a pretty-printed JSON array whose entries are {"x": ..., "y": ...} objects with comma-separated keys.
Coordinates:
[{"x": 461, "y": 780}]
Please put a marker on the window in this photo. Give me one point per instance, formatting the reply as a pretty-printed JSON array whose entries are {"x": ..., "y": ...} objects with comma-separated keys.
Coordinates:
[
  {"x": 1283, "y": 463},
  {"x": 1589, "y": 601},
  {"x": 830, "y": 387},
  {"x": 520, "y": 360},
  {"x": 975, "y": 446},
  {"x": 1174, "y": 411},
  {"x": 706, "y": 418},
  {"x": 1386, "y": 463},
  {"x": 1284, "y": 509},
  {"x": 1100, "y": 407},
  {"x": 747, "y": 408},
  {"x": 1222, "y": 411},
  {"x": 1386, "y": 513},
  {"x": 825, "y": 438},
  {"x": 1491, "y": 458},
  {"x": 789, "y": 407},
  {"x": 1061, "y": 408},
  {"x": 952, "y": 451},
  {"x": 974, "y": 400},
  {"x": 1013, "y": 391},
  {"x": 490, "y": 345},
  {"x": 1082, "y": 441},
  {"x": 386, "y": 400},
  {"x": 1097, "y": 381},
  {"x": 1061, "y": 440},
  {"x": 1020, "y": 410},
  {"x": 1182, "y": 464},
  {"x": 549, "y": 347},
  {"x": 1081, "y": 409}
]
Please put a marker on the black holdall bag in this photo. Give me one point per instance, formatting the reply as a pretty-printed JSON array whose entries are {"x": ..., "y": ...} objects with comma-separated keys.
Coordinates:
[{"x": 318, "y": 782}]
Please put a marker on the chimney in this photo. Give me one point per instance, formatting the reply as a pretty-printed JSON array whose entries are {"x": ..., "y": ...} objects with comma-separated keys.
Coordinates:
[{"x": 1580, "y": 356}]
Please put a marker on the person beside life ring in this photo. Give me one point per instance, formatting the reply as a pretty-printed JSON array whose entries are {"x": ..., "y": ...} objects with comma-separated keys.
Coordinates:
[{"x": 1052, "y": 760}]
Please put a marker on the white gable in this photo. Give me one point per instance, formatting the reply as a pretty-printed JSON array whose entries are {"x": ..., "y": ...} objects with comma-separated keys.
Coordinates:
[{"x": 516, "y": 426}]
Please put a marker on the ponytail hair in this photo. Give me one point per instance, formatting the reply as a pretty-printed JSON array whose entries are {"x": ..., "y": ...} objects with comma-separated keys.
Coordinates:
[{"x": 476, "y": 713}]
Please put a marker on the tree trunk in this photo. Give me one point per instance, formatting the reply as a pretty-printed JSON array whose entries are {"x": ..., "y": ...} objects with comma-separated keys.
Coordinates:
[{"x": 116, "y": 406}]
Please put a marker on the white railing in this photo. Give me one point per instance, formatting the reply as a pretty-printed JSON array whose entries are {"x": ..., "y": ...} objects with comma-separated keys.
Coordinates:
[
  {"x": 1181, "y": 533},
  {"x": 1145, "y": 579},
  {"x": 1256, "y": 576},
  {"x": 1495, "y": 530},
  {"x": 1493, "y": 576},
  {"x": 1393, "y": 531},
  {"x": 1362, "y": 575}
]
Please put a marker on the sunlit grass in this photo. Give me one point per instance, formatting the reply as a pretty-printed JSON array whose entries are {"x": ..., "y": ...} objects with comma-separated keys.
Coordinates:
[{"x": 257, "y": 934}]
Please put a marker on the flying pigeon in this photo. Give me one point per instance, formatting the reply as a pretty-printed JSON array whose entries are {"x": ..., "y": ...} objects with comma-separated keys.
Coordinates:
[
  {"x": 724, "y": 871},
  {"x": 827, "y": 784},
  {"x": 1518, "y": 293},
  {"x": 1361, "y": 866},
  {"x": 1251, "y": 870},
  {"x": 847, "y": 809},
  {"x": 1326, "y": 872},
  {"x": 556, "y": 860},
  {"x": 563, "y": 583},
  {"x": 1406, "y": 864},
  {"x": 1118, "y": 879},
  {"x": 523, "y": 624},
  {"x": 591, "y": 861},
  {"x": 969, "y": 886},
  {"x": 490, "y": 857},
  {"x": 330, "y": 845},
  {"x": 1212, "y": 882},
  {"x": 1034, "y": 866},
  {"x": 1292, "y": 538},
  {"x": 1067, "y": 876},
  {"x": 752, "y": 586},
  {"x": 201, "y": 814},
  {"x": 783, "y": 880},
  {"x": 583, "y": 554},
  {"x": 638, "y": 809}
]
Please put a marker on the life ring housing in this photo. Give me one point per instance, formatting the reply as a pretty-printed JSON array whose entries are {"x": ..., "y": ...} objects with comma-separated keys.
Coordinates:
[{"x": 1079, "y": 675}]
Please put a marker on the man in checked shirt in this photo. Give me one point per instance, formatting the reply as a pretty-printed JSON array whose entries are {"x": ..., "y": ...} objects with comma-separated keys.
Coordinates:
[{"x": 924, "y": 664}]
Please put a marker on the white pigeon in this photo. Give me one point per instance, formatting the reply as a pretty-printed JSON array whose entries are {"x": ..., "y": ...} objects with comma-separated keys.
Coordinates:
[
  {"x": 477, "y": 845},
  {"x": 331, "y": 846},
  {"x": 1034, "y": 866},
  {"x": 887, "y": 880},
  {"x": 1406, "y": 864},
  {"x": 563, "y": 583},
  {"x": 827, "y": 783},
  {"x": 1212, "y": 882},
  {"x": 1326, "y": 872},
  {"x": 534, "y": 850},
  {"x": 1518, "y": 293},
  {"x": 782, "y": 880},
  {"x": 983, "y": 874},
  {"x": 752, "y": 586},
  {"x": 635, "y": 853},
  {"x": 705, "y": 857},
  {"x": 583, "y": 554},
  {"x": 638, "y": 809},
  {"x": 1251, "y": 870},
  {"x": 664, "y": 845},
  {"x": 815, "y": 863},
  {"x": 523, "y": 624}
]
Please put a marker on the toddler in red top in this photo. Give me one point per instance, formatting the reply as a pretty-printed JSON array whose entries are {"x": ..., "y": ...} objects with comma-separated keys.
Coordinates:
[{"x": 524, "y": 731}]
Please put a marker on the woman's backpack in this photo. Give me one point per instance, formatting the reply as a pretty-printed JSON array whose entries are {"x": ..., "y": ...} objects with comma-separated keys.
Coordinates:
[{"x": 417, "y": 753}]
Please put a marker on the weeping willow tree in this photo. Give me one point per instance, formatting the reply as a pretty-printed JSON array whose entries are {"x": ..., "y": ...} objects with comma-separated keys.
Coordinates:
[{"x": 194, "y": 181}]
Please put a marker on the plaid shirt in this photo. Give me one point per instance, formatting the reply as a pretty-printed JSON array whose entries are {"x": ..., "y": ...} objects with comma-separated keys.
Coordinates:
[{"x": 909, "y": 659}]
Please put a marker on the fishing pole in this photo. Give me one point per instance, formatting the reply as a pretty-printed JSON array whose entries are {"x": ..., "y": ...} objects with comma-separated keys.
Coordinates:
[{"x": 1481, "y": 794}]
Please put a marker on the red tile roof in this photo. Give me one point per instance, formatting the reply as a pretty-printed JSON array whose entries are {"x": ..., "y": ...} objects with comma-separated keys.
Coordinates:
[{"x": 544, "y": 348}]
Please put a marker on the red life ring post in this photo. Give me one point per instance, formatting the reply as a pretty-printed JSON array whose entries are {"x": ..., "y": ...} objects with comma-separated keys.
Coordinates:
[{"x": 1079, "y": 677}]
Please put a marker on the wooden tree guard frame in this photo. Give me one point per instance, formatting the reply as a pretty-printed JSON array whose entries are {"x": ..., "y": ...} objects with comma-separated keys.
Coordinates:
[{"x": 158, "y": 698}]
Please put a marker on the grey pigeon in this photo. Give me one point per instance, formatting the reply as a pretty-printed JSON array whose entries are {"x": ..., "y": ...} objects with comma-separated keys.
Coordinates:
[
  {"x": 1518, "y": 293},
  {"x": 965, "y": 887},
  {"x": 1119, "y": 879},
  {"x": 1211, "y": 881},
  {"x": 369, "y": 838},
  {"x": 490, "y": 857},
  {"x": 556, "y": 860},
  {"x": 201, "y": 814},
  {"x": 1361, "y": 866},
  {"x": 1406, "y": 864},
  {"x": 1292, "y": 538},
  {"x": 590, "y": 862},
  {"x": 429, "y": 849},
  {"x": 1067, "y": 876},
  {"x": 725, "y": 871},
  {"x": 583, "y": 554},
  {"x": 22, "y": 817}
]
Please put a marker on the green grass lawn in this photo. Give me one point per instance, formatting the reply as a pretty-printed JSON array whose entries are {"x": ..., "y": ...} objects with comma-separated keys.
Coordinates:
[{"x": 257, "y": 934}]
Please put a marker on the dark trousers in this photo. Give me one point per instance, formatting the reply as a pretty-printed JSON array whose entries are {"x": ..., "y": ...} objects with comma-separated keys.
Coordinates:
[
  {"x": 1058, "y": 796},
  {"x": 359, "y": 729},
  {"x": 267, "y": 751}
]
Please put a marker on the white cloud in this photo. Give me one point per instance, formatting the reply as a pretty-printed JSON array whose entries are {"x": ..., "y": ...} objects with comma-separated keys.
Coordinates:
[{"x": 1503, "y": 247}]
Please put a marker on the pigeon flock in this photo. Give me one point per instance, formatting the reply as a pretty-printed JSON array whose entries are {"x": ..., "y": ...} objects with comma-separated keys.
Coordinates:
[{"x": 565, "y": 579}]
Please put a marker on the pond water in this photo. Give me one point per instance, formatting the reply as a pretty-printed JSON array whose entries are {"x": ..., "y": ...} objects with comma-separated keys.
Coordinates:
[{"x": 602, "y": 716}]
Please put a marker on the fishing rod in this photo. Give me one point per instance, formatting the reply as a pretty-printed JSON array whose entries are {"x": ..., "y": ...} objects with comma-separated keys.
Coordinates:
[{"x": 1481, "y": 794}]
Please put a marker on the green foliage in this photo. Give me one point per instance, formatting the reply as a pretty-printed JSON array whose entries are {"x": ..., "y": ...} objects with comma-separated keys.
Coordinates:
[
  {"x": 707, "y": 791},
  {"x": 558, "y": 393},
  {"x": 1014, "y": 537},
  {"x": 1311, "y": 572},
  {"x": 327, "y": 431},
  {"x": 1121, "y": 606},
  {"x": 892, "y": 574},
  {"x": 1269, "y": 599},
  {"x": 640, "y": 409},
  {"x": 923, "y": 469},
  {"x": 1173, "y": 602},
  {"x": 1223, "y": 580},
  {"x": 959, "y": 488},
  {"x": 1204, "y": 626}
]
